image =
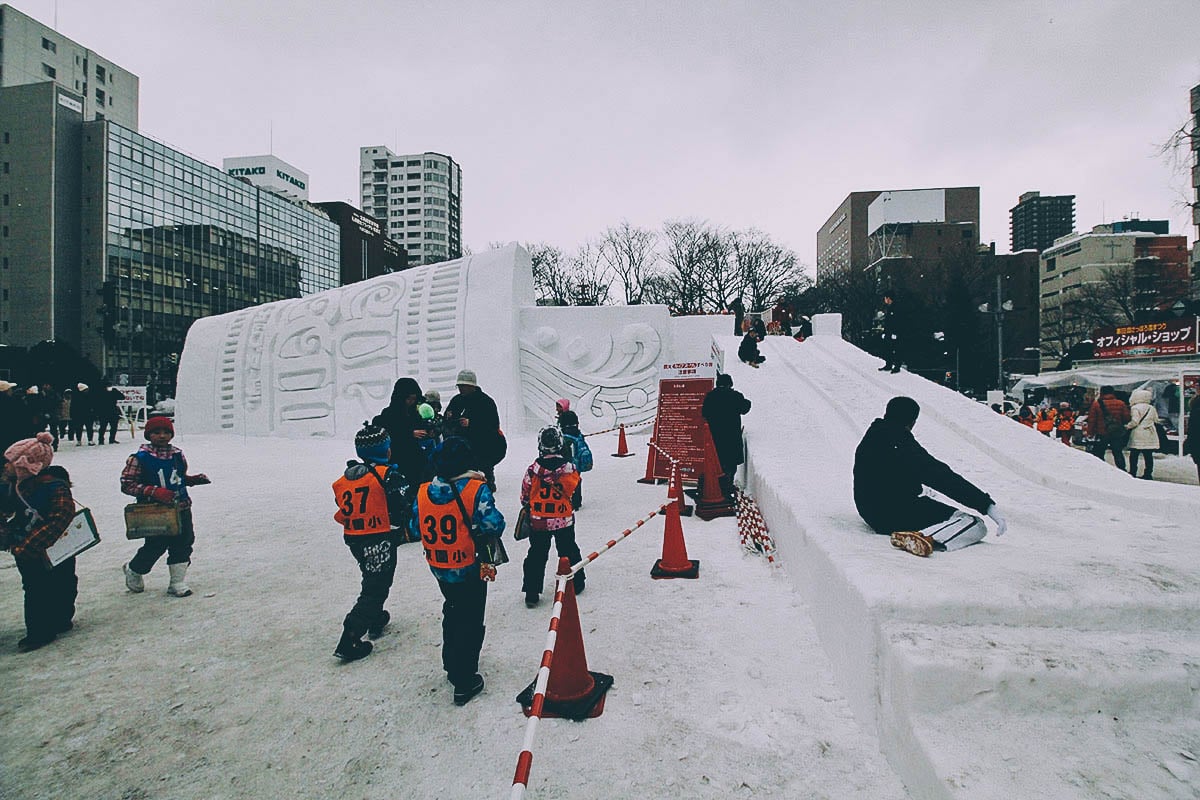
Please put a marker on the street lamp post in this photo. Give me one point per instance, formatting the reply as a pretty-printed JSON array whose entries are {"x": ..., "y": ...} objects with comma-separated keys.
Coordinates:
[{"x": 1001, "y": 305}]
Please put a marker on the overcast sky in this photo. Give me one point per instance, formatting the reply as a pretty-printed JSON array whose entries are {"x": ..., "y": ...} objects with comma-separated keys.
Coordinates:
[{"x": 568, "y": 117}]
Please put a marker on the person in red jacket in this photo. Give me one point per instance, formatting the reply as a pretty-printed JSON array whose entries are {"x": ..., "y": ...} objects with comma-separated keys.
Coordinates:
[{"x": 1106, "y": 425}]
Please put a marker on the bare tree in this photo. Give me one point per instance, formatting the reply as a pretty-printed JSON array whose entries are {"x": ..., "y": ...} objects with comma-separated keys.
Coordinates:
[
  {"x": 762, "y": 268},
  {"x": 1180, "y": 152},
  {"x": 591, "y": 278},
  {"x": 631, "y": 256},
  {"x": 552, "y": 281},
  {"x": 695, "y": 254}
]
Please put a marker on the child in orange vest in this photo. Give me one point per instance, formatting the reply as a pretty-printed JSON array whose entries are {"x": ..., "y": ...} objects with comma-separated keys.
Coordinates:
[
  {"x": 546, "y": 490},
  {"x": 362, "y": 494},
  {"x": 1066, "y": 423}
]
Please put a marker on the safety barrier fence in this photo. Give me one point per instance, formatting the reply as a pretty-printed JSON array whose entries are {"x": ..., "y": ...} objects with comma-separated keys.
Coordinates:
[
  {"x": 622, "y": 425},
  {"x": 752, "y": 527},
  {"x": 525, "y": 759}
]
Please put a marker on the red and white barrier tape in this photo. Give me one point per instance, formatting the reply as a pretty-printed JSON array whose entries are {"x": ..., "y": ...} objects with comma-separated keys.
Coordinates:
[
  {"x": 752, "y": 527},
  {"x": 626, "y": 425},
  {"x": 525, "y": 759}
]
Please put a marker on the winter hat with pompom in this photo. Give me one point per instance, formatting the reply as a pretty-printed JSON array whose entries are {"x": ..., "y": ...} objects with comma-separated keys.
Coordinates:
[
  {"x": 562, "y": 404},
  {"x": 425, "y": 411},
  {"x": 30, "y": 456},
  {"x": 372, "y": 444}
]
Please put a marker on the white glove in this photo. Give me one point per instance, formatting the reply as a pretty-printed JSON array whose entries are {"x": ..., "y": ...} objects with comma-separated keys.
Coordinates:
[{"x": 998, "y": 518}]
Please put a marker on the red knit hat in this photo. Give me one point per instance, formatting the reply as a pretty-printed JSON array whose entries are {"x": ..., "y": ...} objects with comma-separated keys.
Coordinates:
[
  {"x": 30, "y": 456},
  {"x": 158, "y": 424}
]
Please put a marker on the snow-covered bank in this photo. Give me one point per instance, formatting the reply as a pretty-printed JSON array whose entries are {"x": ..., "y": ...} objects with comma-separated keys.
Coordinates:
[{"x": 1087, "y": 610}]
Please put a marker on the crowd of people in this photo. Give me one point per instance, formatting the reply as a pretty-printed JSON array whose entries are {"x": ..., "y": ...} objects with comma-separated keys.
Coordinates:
[{"x": 73, "y": 414}]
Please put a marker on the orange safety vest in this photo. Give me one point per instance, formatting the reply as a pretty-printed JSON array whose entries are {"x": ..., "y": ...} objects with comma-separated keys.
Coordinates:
[
  {"x": 445, "y": 535},
  {"x": 549, "y": 499},
  {"x": 1045, "y": 420},
  {"x": 1066, "y": 420},
  {"x": 362, "y": 504}
]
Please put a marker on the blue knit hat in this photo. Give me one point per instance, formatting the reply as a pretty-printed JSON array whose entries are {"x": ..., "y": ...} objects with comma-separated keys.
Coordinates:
[{"x": 372, "y": 444}]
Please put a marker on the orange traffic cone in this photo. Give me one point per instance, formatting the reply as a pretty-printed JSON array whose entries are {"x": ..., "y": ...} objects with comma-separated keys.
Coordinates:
[
  {"x": 649, "y": 476},
  {"x": 711, "y": 501},
  {"x": 675, "y": 492},
  {"x": 572, "y": 692},
  {"x": 622, "y": 445},
  {"x": 674, "y": 562}
]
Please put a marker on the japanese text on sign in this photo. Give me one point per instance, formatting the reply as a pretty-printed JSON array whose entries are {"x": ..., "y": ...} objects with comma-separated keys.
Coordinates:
[{"x": 1175, "y": 337}]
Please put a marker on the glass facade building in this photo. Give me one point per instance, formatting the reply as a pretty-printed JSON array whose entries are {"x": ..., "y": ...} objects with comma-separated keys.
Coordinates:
[{"x": 169, "y": 239}]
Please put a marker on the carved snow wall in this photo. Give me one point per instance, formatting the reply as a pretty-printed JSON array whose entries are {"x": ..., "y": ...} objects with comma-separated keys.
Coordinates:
[{"x": 320, "y": 365}]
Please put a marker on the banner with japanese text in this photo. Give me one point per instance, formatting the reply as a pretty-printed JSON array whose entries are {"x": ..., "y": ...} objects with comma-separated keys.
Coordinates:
[
  {"x": 1173, "y": 338},
  {"x": 679, "y": 428}
]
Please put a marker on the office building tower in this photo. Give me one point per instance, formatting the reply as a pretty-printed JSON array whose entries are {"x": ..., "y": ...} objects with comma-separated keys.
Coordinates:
[
  {"x": 31, "y": 52},
  {"x": 366, "y": 251},
  {"x": 115, "y": 243},
  {"x": 419, "y": 196},
  {"x": 1037, "y": 221}
]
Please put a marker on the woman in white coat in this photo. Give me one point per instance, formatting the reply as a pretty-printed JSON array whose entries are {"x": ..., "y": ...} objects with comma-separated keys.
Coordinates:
[{"x": 1143, "y": 436}]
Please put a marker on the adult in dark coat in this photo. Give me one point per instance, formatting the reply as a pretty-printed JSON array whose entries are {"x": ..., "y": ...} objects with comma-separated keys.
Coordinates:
[
  {"x": 722, "y": 409},
  {"x": 472, "y": 415},
  {"x": 1191, "y": 445},
  {"x": 893, "y": 335},
  {"x": 108, "y": 411},
  {"x": 403, "y": 424},
  {"x": 890, "y": 469},
  {"x": 83, "y": 414},
  {"x": 739, "y": 314}
]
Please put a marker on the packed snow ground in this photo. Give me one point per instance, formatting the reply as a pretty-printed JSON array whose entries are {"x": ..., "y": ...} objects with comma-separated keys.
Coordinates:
[
  {"x": 1059, "y": 661},
  {"x": 722, "y": 688}
]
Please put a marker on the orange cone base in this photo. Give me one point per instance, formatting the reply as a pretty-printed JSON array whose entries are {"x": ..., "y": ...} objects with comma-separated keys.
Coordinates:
[
  {"x": 707, "y": 511},
  {"x": 586, "y": 707},
  {"x": 659, "y": 572}
]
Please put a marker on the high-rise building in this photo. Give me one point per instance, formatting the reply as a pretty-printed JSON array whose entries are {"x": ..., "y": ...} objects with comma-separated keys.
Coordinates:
[
  {"x": 889, "y": 229},
  {"x": 31, "y": 52},
  {"x": 419, "y": 196},
  {"x": 1195, "y": 108},
  {"x": 1135, "y": 267},
  {"x": 116, "y": 243},
  {"x": 1037, "y": 221}
]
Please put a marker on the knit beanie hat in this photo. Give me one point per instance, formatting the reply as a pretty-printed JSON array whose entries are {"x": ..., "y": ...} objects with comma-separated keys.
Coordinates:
[
  {"x": 426, "y": 411},
  {"x": 434, "y": 398},
  {"x": 30, "y": 456},
  {"x": 550, "y": 440},
  {"x": 158, "y": 424},
  {"x": 372, "y": 444},
  {"x": 452, "y": 459},
  {"x": 562, "y": 404}
]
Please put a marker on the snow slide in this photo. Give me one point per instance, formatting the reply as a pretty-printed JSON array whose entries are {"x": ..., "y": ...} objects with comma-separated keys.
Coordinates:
[{"x": 1061, "y": 660}]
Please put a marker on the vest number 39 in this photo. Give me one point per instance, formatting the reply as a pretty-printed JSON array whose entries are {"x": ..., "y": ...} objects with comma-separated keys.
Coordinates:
[{"x": 448, "y": 524}]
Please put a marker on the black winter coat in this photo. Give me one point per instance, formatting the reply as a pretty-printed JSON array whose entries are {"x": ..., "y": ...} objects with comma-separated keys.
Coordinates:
[
  {"x": 400, "y": 420},
  {"x": 483, "y": 433},
  {"x": 890, "y": 469},
  {"x": 723, "y": 409},
  {"x": 748, "y": 349}
]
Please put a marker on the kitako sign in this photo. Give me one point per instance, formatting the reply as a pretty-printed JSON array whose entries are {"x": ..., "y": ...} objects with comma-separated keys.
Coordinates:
[{"x": 1174, "y": 338}]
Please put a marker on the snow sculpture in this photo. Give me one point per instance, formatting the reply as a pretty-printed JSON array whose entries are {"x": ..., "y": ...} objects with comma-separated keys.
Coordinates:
[{"x": 320, "y": 365}]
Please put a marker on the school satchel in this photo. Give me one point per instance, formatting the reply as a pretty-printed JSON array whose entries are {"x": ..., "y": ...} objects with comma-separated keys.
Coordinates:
[
  {"x": 143, "y": 520},
  {"x": 81, "y": 535},
  {"x": 523, "y": 528}
]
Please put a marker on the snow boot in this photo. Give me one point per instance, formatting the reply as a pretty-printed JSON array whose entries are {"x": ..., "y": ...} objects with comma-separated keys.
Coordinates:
[
  {"x": 376, "y": 630},
  {"x": 133, "y": 581},
  {"x": 531, "y": 599},
  {"x": 351, "y": 649},
  {"x": 177, "y": 587},
  {"x": 464, "y": 693},
  {"x": 579, "y": 581},
  {"x": 913, "y": 542}
]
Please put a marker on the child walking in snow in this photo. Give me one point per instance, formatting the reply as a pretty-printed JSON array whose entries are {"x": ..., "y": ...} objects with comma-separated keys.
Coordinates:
[
  {"x": 575, "y": 446},
  {"x": 157, "y": 473},
  {"x": 546, "y": 490},
  {"x": 36, "y": 508},
  {"x": 370, "y": 496}
]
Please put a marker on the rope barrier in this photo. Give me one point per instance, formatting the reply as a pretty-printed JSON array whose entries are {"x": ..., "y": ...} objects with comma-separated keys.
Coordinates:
[
  {"x": 525, "y": 759},
  {"x": 627, "y": 425},
  {"x": 752, "y": 527},
  {"x": 674, "y": 461}
]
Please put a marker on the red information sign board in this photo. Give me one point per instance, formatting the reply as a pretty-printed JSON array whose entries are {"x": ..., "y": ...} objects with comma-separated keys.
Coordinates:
[{"x": 679, "y": 429}]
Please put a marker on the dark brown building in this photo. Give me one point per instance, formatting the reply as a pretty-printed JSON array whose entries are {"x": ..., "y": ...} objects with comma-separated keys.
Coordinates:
[{"x": 366, "y": 250}]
